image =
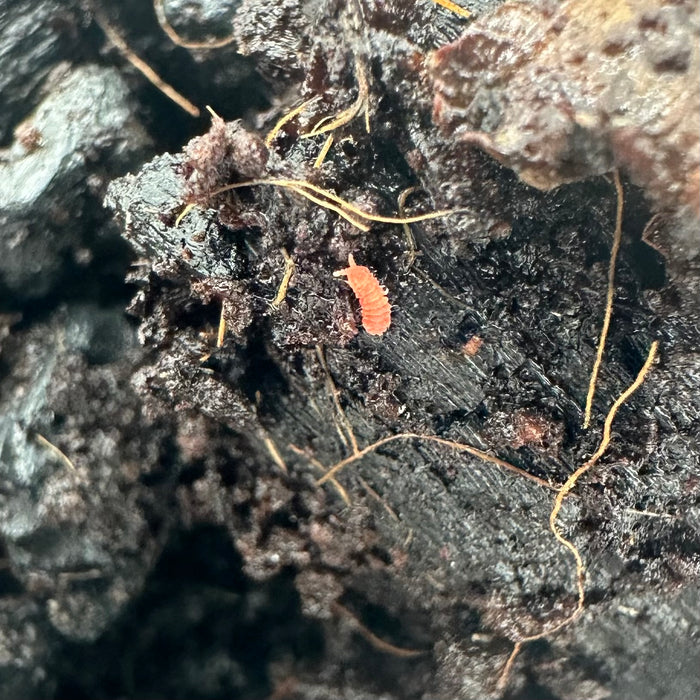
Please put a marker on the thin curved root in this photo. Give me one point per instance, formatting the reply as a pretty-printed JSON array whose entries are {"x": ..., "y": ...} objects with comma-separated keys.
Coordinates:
[{"x": 562, "y": 493}]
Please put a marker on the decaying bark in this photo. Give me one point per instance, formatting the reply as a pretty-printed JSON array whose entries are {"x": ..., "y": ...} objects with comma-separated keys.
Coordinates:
[{"x": 452, "y": 553}]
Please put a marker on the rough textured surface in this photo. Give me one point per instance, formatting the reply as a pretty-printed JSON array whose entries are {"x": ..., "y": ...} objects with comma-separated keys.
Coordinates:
[
  {"x": 192, "y": 542},
  {"x": 82, "y": 134},
  {"x": 474, "y": 533},
  {"x": 80, "y": 534},
  {"x": 606, "y": 83},
  {"x": 203, "y": 20},
  {"x": 34, "y": 37}
]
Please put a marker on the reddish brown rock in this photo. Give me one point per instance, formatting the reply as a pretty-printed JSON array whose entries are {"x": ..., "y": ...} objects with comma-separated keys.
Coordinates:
[{"x": 563, "y": 92}]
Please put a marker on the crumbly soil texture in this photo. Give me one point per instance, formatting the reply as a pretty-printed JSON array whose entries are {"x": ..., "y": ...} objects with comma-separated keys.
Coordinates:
[{"x": 168, "y": 528}]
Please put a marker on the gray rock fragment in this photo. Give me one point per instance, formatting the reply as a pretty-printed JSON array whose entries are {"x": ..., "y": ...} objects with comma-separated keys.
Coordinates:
[
  {"x": 79, "y": 524},
  {"x": 85, "y": 127},
  {"x": 35, "y": 35},
  {"x": 199, "y": 20}
]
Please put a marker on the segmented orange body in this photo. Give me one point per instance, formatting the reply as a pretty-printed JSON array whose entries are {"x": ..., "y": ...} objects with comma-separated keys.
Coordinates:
[{"x": 376, "y": 311}]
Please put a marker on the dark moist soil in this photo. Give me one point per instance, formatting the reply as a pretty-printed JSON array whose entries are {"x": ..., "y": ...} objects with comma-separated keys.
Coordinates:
[{"x": 162, "y": 534}]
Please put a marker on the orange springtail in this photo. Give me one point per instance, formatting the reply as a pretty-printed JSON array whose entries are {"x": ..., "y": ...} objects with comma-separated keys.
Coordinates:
[{"x": 376, "y": 311}]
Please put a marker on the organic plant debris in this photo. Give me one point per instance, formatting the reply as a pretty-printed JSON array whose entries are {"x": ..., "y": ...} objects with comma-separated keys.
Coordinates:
[{"x": 236, "y": 491}]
